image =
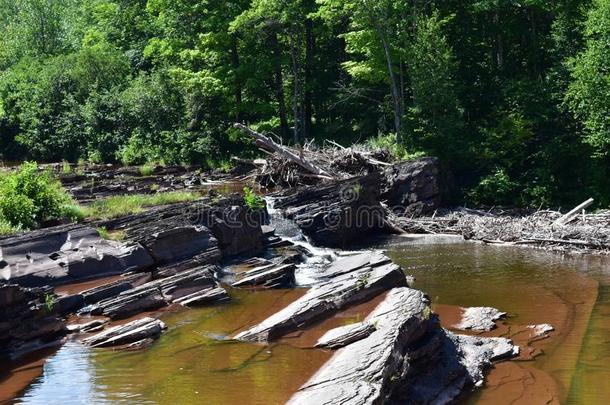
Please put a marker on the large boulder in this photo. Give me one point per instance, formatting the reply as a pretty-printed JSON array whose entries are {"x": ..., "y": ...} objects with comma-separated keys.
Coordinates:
[
  {"x": 66, "y": 254},
  {"x": 337, "y": 213},
  {"x": 405, "y": 357},
  {"x": 412, "y": 187}
]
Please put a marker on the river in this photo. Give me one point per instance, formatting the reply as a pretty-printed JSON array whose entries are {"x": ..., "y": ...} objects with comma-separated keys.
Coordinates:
[{"x": 191, "y": 363}]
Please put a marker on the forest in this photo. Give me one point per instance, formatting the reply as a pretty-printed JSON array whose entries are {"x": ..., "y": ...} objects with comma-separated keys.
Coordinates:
[{"x": 512, "y": 96}]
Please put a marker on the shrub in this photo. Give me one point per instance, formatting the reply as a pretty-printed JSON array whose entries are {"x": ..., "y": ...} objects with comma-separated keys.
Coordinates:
[
  {"x": 29, "y": 197},
  {"x": 253, "y": 201},
  {"x": 389, "y": 142},
  {"x": 147, "y": 169},
  {"x": 495, "y": 188}
]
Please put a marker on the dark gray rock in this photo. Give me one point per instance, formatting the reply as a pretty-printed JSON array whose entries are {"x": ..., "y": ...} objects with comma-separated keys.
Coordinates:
[
  {"x": 66, "y": 254},
  {"x": 108, "y": 290},
  {"x": 180, "y": 242},
  {"x": 233, "y": 229},
  {"x": 412, "y": 187},
  {"x": 135, "y": 331},
  {"x": 158, "y": 293},
  {"x": 203, "y": 297},
  {"x": 323, "y": 300},
  {"x": 337, "y": 213},
  {"x": 69, "y": 303},
  {"x": 91, "y": 326},
  {"x": 27, "y": 321},
  {"x": 344, "y": 335}
]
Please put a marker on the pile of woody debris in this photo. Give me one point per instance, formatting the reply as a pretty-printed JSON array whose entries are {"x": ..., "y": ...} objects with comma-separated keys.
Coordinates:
[
  {"x": 576, "y": 231},
  {"x": 288, "y": 167}
]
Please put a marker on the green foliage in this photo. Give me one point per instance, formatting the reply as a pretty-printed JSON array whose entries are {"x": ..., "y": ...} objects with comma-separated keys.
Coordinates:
[
  {"x": 28, "y": 197},
  {"x": 147, "y": 169},
  {"x": 253, "y": 201},
  {"x": 114, "y": 235},
  {"x": 49, "y": 302},
  {"x": 522, "y": 86},
  {"x": 496, "y": 187},
  {"x": 65, "y": 167},
  {"x": 589, "y": 93},
  {"x": 397, "y": 150},
  {"x": 435, "y": 119},
  {"x": 6, "y": 228}
]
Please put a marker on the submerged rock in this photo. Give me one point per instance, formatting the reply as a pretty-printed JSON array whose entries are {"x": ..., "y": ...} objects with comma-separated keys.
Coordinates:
[
  {"x": 541, "y": 330},
  {"x": 135, "y": 331},
  {"x": 480, "y": 318},
  {"x": 356, "y": 282}
]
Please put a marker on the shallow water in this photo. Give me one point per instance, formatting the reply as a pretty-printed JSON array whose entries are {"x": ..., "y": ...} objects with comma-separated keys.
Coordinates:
[{"x": 191, "y": 363}]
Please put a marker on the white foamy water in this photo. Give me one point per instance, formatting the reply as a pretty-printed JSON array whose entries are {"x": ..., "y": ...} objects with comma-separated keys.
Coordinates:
[{"x": 306, "y": 272}]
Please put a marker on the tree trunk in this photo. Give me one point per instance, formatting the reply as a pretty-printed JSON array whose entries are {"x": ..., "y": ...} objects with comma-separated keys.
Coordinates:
[
  {"x": 238, "y": 87},
  {"x": 296, "y": 87},
  {"x": 500, "y": 43},
  {"x": 309, "y": 51},
  {"x": 393, "y": 84},
  {"x": 279, "y": 83}
]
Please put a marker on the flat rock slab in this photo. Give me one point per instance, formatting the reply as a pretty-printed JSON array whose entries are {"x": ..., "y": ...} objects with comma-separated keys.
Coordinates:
[
  {"x": 203, "y": 297},
  {"x": 269, "y": 276},
  {"x": 145, "y": 328},
  {"x": 66, "y": 254},
  {"x": 344, "y": 335},
  {"x": 480, "y": 318},
  {"x": 108, "y": 290},
  {"x": 194, "y": 283},
  {"x": 323, "y": 300}
]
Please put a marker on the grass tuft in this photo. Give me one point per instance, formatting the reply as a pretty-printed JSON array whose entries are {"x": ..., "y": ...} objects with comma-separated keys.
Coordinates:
[
  {"x": 118, "y": 206},
  {"x": 147, "y": 170}
]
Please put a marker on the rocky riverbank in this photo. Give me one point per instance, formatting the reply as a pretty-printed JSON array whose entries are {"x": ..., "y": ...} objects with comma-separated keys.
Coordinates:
[{"x": 187, "y": 254}]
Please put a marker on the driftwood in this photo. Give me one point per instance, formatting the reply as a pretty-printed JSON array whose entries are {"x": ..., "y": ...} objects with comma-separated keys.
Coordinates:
[
  {"x": 573, "y": 213},
  {"x": 267, "y": 143},
  {"x": 521, "y": 228}
]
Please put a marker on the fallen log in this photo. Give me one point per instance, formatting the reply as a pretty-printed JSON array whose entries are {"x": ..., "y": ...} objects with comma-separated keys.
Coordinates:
[
  {"x": 573, "y": 213},
  {"x": 269, "y": 144}
]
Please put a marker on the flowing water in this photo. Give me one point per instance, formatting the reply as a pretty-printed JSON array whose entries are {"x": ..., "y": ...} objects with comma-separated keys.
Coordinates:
[{"x": 191, "y": 363}]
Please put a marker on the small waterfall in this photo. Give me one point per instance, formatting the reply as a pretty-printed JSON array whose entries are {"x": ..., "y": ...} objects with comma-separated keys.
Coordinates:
[{"x": 286, "y": 229}]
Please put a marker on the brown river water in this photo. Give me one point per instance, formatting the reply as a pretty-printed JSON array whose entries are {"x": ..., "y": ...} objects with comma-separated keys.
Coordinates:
[{"x": 191, "y": 363}]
